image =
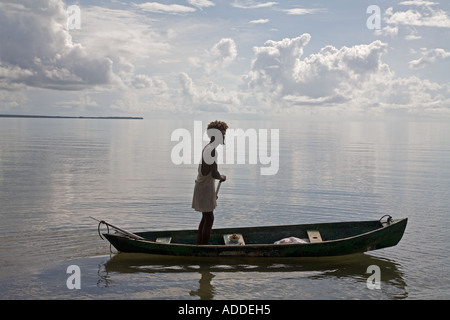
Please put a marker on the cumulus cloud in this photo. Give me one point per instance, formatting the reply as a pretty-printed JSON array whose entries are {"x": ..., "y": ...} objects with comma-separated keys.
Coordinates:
[
  {"x": 275, "y": 62},
  {"x": 207, "y": 94},
  {"x": 350, "y": 77},
  {"x": 355, "y": 64},
  {"x": 158, "y": 64},
  {"x": 224, "y": 52},
  {"x": 217, "y": 58},
  {"x": 425, "y": 17},
  {"x": 279, "y": 67},
  {"x": 408, "y": 22},
  {"x": 38, "y": 51},
  {"x": 142, "y": 81},
  {"x": 428, "y": 57}
]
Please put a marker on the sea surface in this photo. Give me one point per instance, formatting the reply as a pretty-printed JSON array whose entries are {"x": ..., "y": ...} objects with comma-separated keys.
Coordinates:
[{"x": 55, "y": 174}]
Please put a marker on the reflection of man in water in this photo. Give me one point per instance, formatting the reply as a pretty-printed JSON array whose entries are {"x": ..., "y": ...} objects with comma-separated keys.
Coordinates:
[
  {"x": 206, "y": 289},
  {"x": 204, "y": 199}
]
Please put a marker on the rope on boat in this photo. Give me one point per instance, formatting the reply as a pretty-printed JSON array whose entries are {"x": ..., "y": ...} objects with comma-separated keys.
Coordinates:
[
  {"x": 389, "y": 219},
  {"x": 119, "y": 230},
  {"x": 98, "y": 229}
]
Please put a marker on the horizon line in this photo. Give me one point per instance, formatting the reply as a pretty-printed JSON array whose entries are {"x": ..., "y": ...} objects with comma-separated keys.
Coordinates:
[{"x": 67, "y": 117}]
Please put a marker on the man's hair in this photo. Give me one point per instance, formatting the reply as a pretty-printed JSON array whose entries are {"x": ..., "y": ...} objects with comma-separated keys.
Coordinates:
[{"x": 219, "y": 125}]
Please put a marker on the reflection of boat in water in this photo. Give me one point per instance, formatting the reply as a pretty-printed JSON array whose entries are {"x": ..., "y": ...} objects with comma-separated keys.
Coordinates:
[
  {"x": 312, "y": 240},
  {"x": 350, "y": 266}
]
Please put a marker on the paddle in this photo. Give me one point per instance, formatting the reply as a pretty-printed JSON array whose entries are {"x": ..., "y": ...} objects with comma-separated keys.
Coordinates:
[
  {"x": 124, "y": 232},
  {"x": 217, "y": 190}
]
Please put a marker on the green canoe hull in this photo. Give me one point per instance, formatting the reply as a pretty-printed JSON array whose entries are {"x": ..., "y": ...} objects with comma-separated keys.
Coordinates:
[{"x": 340, "y": 238}]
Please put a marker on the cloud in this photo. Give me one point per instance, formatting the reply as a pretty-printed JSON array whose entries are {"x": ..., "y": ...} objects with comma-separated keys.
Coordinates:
[
  {"x": 38, "y": 51},
  {"x": 350, "y": 78},
  {"x": 169, "y": 62},
  {"x": 412, "y": 36},
  {"x": 275, "y": 61},
  {"x": 82, "y": 100},
  {"x": 108, "y": 33},
  {"x": 12, "y": 98},
  {"x": 308, "y": 101},
  {"x": 389, "y": 31},
  {"x": 216, "y": 59},
  {"x": 12, "y": 76},
  {"x": 201, "y": 3},
  {"x": 331, "y": 71},
  {"x": 427, "y": 17},
  {"x": 259, "y": 21},
  {"x": 166, "y": 8},
  {"x": 250, "y": 4},
  {"x": 418, "y": 3},
  {"x": 429, "y": 56},
  {"x": 143, "y": 94},
  {"x": 224, "y": 52},
  {"x": 142, "y": 81},
  {"x": 207, "y": 95},
  {"x": 301, "y": 11},
  {"x": 406, "y": 22}
]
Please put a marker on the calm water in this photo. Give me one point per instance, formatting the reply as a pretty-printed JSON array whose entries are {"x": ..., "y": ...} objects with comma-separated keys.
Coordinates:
[{"x": 55, "y": 173}]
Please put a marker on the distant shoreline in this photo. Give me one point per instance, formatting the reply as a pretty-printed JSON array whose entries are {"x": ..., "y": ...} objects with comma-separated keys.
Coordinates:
[{"x": 66, "y": 117}]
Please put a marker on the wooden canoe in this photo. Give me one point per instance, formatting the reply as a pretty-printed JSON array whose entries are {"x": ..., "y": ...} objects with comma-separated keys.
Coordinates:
[{"x": 318, "y": 240}]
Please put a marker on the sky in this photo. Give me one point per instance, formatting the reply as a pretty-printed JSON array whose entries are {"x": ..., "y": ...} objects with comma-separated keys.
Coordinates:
[{"x": 245, "y": 58}]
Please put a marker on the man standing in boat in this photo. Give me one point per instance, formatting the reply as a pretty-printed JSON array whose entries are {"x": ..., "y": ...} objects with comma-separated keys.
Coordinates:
[{"x": 204, "y": 199}]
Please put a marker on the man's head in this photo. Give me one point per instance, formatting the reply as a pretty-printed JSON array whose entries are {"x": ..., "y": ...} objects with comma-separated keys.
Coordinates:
[{"x": 215, "y": 128}]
